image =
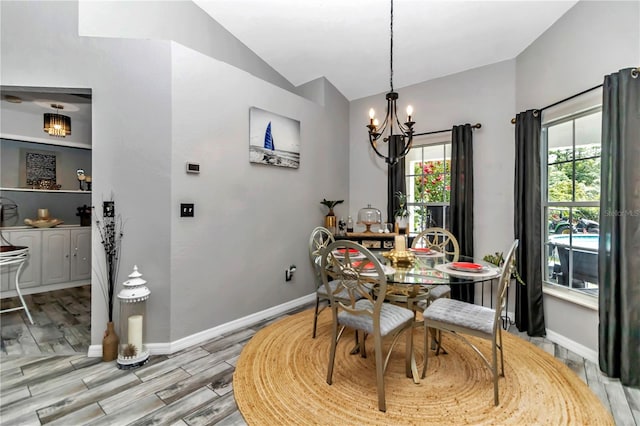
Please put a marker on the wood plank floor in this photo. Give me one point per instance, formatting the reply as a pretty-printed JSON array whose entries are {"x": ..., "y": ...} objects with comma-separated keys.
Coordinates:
[
  {"x": 62, "y": 323},
  {"x": 191, "y": 387}
]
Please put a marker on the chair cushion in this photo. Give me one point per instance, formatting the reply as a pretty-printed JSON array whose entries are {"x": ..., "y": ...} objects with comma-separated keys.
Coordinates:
[
  {"x": 438, "y": 291},
  {"x": 463, "y": 314},
  {"x": 435, "y": 292},
  {"x": 391, "y": 317},
  {"x": 343, "y": 294}
]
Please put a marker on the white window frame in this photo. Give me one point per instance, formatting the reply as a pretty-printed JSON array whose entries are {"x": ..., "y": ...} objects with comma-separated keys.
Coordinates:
[
  {"x": 412, "y": 205},
  {"x": 568, "y": 292}
]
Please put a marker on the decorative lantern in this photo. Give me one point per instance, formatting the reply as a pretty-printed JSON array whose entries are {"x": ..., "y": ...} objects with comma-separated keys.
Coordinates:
[{"x": 132, "y": 351}]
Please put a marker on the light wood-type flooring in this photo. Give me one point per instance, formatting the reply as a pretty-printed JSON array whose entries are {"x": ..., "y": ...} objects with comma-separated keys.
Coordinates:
[
  {"x": 62, "y": 323},
  {"x": 190, "y": 387}
]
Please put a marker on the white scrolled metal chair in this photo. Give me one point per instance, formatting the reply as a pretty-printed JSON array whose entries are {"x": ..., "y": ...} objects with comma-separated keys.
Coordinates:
[
  {"x": 365, "y": 310},
  {"x": 463, "y": 318}
]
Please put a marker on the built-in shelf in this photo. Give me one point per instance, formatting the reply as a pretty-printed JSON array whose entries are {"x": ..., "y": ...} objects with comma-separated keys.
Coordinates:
[{"x": 57, "y": 191}]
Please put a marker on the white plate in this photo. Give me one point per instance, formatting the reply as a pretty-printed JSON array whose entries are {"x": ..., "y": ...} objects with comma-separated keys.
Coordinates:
[
  {"x": 357, "y": 255},
  {"x": 388, "y": 270}
]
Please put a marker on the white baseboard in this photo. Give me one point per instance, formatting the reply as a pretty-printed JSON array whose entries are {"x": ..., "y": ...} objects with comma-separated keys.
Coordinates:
[
  {"x": 573, "y": 346},
  {"x": 203, "y": 336}
]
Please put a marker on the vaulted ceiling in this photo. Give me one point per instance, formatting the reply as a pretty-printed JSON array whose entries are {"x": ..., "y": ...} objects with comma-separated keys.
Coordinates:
[{"x": 347, "y": 41}]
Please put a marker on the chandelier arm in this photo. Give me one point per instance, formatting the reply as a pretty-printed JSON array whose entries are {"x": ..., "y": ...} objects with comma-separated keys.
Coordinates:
[
  {"x": 375, "y": 149},
  {"x": 391, "y": 49}
]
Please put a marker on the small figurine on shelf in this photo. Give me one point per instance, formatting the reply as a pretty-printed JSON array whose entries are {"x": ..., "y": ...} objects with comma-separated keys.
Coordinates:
[
  {"x": 81, "y": 178},
  {"x": 341, "y": 227},
  {"x": 85, "y": 215}
]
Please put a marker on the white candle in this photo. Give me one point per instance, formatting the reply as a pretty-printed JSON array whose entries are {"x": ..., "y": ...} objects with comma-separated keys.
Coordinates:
[
  {"x": 400, "y": 246},
  {"x": 135, "y": 332}
]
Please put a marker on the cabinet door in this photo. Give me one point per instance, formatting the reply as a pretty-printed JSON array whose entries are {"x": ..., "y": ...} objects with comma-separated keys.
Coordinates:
[
  {"x": 80, "y": 254},
  {"x": 55, "y": 256},
  {"x": 30, "y": 274}
]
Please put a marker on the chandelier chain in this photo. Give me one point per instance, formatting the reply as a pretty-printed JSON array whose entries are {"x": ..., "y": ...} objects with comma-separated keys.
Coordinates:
[{"x": 391, "y": 50}]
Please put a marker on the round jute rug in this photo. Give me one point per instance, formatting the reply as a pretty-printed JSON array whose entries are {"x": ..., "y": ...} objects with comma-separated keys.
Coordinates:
[{"x": 280, "y": 379}]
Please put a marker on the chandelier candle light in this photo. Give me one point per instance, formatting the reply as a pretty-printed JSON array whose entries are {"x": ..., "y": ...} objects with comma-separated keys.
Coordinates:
[
  {"x": 133, "y": 353},
  {"x": 401, "y": 142}
]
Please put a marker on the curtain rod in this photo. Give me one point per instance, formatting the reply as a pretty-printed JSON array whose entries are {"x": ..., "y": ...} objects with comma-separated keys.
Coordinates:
[
  {"x": 513, "y": 120},
  {"x": 475, "y": 126}
]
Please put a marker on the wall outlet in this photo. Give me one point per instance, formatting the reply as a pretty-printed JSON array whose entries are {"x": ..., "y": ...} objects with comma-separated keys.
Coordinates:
[{"x": 187, "y": 210}]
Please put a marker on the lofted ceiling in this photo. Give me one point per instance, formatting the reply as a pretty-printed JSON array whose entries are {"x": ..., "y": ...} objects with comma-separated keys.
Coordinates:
[{"x": 347, "y": 41}]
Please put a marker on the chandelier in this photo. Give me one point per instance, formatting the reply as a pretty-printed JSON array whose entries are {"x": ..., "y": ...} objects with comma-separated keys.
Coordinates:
[
  {"x": 56, "y": 124},
  {"x": 402, "y": 139}
]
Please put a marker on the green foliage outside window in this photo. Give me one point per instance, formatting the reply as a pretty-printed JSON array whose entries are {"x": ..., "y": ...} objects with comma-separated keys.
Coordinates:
[
  {"x": 561, "y": 177},
  {"x": 432, "y": 184},
  {"x": 432, "y": 181}
]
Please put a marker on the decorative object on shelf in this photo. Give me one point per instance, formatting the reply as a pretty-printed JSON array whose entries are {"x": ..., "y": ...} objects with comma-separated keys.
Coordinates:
[
  {"x": 330, "y": 218},
  {"x": 368, "y": 216},
  {"x": 133, "y": 298},
  {"x": 43, "y": 220},
  {"x": 81, "y": 178},
  {"x": 402, "y": 214},
  {"x": 349, "y": 224},
  {"x": 110, "y": 229},
  {"x": 399, "y": 144},
  {"x": 273, "y": 139},
  {"x": 88, "y": 180},
  {"x": 56, "y": 124},
  {"x": 40, "y": 169},
  {"x": 8, "y": 212},
  {"x": 342, "y": 225},
  {"x": 85, "y": 215}
]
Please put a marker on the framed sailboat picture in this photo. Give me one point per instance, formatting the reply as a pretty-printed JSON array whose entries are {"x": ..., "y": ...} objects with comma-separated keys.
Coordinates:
[{"x": 273, "y": 139}]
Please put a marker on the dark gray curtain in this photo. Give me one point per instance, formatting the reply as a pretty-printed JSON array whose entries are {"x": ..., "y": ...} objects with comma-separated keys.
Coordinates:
[
  {"x": 527, "y": 224},
  {"x": 461, "y": 203},
  {"x": 395, "y": 180},
  {"x": 619, "y": 251}
]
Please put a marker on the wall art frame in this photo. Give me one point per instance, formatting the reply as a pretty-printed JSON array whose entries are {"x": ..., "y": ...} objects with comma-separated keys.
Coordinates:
[{"x": 274, "y": 139}]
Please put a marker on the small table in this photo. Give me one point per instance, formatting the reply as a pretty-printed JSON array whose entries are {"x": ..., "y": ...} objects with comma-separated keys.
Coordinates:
[{"x": 15, "y": 255}]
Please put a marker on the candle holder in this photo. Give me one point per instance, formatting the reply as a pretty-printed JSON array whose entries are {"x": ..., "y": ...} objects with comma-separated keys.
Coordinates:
[{"x": 132, "y": 351}]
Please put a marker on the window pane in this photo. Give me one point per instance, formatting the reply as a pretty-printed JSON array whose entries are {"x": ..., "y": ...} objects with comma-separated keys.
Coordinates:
[
  {"x": 560, "y": 182},
  {"x": 588, "y": 135},
  {"x": 587, "y": 177},
  {"x": 560, "y": 137}
]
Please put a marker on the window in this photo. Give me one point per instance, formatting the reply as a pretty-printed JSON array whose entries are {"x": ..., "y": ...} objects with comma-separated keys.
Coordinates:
[
  {"x": 572, "y": 200},
  {"x": 428, "y": 174}
]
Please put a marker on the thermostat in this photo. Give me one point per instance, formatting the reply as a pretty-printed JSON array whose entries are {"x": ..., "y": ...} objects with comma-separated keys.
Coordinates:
[{"x": 193, "y": 168}]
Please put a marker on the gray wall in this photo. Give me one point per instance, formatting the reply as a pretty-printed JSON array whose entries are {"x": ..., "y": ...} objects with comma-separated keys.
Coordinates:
[
  {"x": 152, "y": 111},
  {"x": 592, "y": 39}
]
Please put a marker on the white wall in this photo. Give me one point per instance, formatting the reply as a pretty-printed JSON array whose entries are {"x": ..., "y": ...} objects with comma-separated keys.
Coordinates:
[
  {"x": 151, "y": 114},
  {"x": 483, "y": 95},
  {"x": 592, "y": 39}
]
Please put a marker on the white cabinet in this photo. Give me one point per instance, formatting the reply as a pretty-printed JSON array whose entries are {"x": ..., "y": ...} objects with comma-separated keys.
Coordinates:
[
  {"x": 80, "y": 254},
  {"x": 30, "y": 275},
  {"x": 66, "y": 255},
  {"x": 58, "y": 258}
]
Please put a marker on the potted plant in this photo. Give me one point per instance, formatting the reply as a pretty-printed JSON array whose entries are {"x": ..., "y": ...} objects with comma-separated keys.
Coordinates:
[
  {"x": 330, "y": 218},
  {"x": 498, "y": 259},
  {"x": 402, "y": 214}
]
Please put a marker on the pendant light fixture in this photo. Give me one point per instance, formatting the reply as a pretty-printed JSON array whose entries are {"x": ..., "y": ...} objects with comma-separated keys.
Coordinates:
[
  {"x": 402, "y": 139},
  {"x": 56, "y": 124}
]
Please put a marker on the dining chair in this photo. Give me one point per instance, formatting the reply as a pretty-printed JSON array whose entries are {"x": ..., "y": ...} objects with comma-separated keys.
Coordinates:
[
  {"x": 358, "y": 272},
  {"x": 462, "y": 318},
  {"x": 320, "y": 238}
]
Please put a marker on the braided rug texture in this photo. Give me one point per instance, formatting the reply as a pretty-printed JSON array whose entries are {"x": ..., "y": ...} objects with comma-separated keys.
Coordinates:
[{"x": 280, "y": 379}]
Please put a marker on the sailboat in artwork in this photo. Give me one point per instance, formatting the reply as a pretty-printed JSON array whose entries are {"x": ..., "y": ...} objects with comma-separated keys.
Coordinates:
[
  {"x": 269, "y": 156},
  {"x": 268, "y": 138}
]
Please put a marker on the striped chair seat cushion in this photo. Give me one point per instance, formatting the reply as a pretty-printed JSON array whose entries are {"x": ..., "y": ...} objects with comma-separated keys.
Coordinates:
[
  {"x": 391, "y": 317},
  {"x": 455, "y": 312},
  {"x": 342, "y": 294}
]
